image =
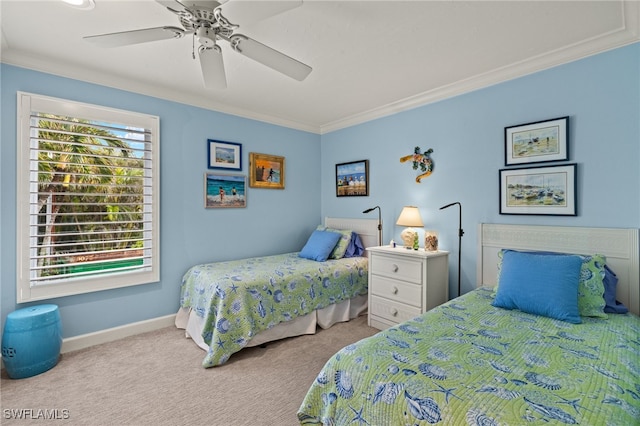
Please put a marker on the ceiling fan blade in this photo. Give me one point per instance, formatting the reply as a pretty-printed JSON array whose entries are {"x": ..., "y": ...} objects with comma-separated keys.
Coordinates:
[
  {"x": 126, "y": 38},
  {"x": 172, "y": 4},
  {"x": 269, "y": 57},
  {"x": 248, "y": 11},
  {"x": 212, "y": 68}
]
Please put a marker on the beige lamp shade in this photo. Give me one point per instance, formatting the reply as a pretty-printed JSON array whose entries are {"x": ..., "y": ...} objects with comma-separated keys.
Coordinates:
[{"x": 410, "y": 216}]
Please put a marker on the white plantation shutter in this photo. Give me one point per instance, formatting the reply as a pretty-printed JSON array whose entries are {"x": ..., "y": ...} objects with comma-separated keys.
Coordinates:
[{"x": 87, "y": 198}]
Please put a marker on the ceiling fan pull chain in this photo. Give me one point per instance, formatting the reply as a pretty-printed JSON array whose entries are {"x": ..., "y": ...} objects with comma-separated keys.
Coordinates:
[{"x": 193, "y": 46}]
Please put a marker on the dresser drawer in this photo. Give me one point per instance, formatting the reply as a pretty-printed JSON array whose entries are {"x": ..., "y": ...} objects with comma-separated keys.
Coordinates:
[
  {"x": 392, "y": 311},
  {"x": 396, "y": 267},
  {"x": 398, "y": 291}
]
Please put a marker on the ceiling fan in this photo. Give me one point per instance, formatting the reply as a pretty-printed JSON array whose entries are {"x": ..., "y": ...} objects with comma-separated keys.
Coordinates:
[{"x": 205, "y": 20}]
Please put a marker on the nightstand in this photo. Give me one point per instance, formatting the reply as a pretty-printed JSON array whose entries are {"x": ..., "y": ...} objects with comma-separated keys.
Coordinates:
[{"x": 405, "y": 283}]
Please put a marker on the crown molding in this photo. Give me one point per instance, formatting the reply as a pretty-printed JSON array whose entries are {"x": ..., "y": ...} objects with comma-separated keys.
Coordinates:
[
  {"x": 627, "y": 33},
  {"x": 94, "y": 76}
]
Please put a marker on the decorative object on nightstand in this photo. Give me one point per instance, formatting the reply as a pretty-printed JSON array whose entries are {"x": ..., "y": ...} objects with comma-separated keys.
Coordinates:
[
  {"x": 430, "y": 240},
  {"x": 405, "y": 283},
  {"x": 460, "y": 234},
  {"x": 379, "y": 222},
  {"x": 410, "y": 217},
  {"x": 421, "y": 160}
]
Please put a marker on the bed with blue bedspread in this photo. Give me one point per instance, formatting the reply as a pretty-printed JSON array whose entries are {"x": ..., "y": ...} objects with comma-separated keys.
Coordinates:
[
  {"x": 239, "y": 299},
  {"x": 551, "y": 344},
  {"x": 467, "y": 362},
  {"x": 226, "y": 306}
]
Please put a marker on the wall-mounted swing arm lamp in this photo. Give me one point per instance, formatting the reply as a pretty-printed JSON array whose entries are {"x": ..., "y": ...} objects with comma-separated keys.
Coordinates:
[
  {"x": 460, "y": 234},
  {"x": 379, "y": 222}
]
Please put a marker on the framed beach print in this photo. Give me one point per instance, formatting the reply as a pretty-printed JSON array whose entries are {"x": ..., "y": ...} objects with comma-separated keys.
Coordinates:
[
  {"x": 547, "y": 190},
  {"x": 542, "y": 141},
  {"x": 224, "y": 191},
  {"x": 266, "y": 171},
  {"x": 224, "y": 155},
  {"x": 352, "y": 179}
]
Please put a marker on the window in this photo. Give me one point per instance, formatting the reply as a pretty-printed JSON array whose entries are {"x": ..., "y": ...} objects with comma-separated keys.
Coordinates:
[{"x": 87, "y": 198}]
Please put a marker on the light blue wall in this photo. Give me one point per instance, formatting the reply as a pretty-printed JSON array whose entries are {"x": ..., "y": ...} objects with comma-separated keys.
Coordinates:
[
  {"x": 601, "y": 94},
  {"x": 274, "y": 221}
]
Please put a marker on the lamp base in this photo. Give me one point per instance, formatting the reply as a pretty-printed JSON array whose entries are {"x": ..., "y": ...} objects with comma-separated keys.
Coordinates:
[{"x": 408, "y": 236}]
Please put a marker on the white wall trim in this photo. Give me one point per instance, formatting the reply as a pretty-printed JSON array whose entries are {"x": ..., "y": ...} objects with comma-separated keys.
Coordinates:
[
  {"x": 111, "y": 334},
  {"x": 627, "y": 33}
]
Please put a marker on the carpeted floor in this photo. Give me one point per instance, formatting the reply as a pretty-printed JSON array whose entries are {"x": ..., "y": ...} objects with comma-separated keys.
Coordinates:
[{"x": 156, "y": 378}]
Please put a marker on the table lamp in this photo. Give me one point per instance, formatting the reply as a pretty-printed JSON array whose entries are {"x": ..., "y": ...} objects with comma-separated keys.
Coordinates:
[{"x": 410, "y": 217}]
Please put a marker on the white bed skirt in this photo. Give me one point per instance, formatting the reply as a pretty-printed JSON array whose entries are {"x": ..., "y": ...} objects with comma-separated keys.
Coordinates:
[{"x": 307, "y": 324}]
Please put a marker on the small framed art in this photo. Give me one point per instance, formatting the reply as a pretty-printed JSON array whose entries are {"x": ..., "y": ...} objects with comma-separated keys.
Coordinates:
[
  {"x": 266, "y": 171},
  {"x": 547, "y": 190},
  {"x": 542, "y": 141},
  {"x": 224, "y": 155},
  {"x": 224, "y": 191},
  {"x": 352, "y": 179}
]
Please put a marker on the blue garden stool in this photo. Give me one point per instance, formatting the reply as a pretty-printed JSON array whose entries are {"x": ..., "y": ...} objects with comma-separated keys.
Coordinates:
[{"x": 31, "y": 341}]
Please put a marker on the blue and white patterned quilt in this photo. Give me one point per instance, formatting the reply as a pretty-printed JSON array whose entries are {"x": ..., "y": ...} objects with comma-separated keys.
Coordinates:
[
  {"x": 468, "y": 363},
  {"x": 240, "y": 298}
]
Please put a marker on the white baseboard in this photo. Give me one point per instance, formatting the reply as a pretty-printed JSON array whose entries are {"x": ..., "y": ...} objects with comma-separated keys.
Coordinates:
[{"x": 109, "y": 335}]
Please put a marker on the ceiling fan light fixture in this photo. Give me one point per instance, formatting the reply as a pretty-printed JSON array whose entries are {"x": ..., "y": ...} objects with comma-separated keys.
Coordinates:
[
  {"x": 206, "y": 36},
  {"x": 81, "y": 4}
]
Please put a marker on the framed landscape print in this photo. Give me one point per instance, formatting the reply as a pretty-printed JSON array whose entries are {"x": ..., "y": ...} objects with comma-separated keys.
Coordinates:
[
  {"x": 547, "y": 190},
  {"x": 224, "y": 191},
  {"x": 266, "y": 171},
  {"x": 352, "y": 179},
  {"x": 224, "y": 155},
  {"x": 538, "y": 142}
]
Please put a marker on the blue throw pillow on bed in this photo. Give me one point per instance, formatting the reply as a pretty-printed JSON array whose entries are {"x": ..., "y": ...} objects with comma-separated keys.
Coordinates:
[
  {"x": 541, "y": 285},
  {"x": 319, "y": 245},
  {"x": 355, "y": 247},
  {"x": 610, "y": 283}
]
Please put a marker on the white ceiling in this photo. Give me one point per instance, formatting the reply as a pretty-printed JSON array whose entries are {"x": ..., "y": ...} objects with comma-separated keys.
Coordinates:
[{"x": 369, "y": 58}]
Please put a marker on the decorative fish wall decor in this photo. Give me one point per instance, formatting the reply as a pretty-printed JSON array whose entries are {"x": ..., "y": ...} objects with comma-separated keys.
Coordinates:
[{"x": 421, "y": 160}]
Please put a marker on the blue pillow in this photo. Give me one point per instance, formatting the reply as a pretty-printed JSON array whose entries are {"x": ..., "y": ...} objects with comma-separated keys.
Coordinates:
[
  {"x": 612, "y": 306},
  {"x": 541, "y": 285},
  {"x": 355, "y": 247},
  {"x": 319, "y": 245},
  {"x": 591, "y": 302}
]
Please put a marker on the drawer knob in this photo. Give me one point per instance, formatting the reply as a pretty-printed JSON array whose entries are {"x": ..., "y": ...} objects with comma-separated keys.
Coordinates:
[
  {"x": 395, "y": 290},
  {"x": 394, "y": 312},
  {"x": 394, "y": 268}
]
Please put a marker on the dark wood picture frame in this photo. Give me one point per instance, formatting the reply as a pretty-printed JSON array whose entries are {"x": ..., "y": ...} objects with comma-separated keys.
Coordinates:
[
  {"x": 538, "y": 142},
  {"x": 352, "y": 179},
  {"x": 545, "y": 190}
]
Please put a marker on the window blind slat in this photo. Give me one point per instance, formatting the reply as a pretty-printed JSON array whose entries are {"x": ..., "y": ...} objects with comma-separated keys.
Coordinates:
[{"x": 90, "y": 178}]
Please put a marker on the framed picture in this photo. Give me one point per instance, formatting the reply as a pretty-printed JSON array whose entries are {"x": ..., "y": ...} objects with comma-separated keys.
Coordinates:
[
  {"x": 547, "y": 190},
  {"x": 224, "y": 191},
  {"x": 266, "y": 171},
  {"x": 538, "y": 142},
  {"x": 224, "y": 155},
  {"x": 352, "y": 179}
]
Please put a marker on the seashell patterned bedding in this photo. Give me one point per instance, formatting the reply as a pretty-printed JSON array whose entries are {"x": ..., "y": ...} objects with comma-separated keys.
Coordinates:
[
  {"x": 234, "y": 301},
  {"x": 468, "y": 362}
]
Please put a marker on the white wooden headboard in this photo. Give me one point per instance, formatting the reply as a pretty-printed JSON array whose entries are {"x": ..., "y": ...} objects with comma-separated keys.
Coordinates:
[
  {"x": 619, "y": 245},
  {"x": 366, "y": 228}
]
